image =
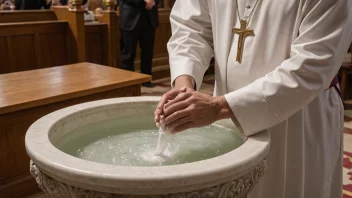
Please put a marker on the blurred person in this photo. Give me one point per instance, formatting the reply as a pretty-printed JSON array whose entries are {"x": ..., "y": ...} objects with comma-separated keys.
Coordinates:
[
  {"x": 98, "y": 11},
  {"x": 2, "y": 4},
  {"x": 138, "y": 21},
  {"x": 31, "y": 4},
  {"x": 6, "y": 5},
  {"x": 56, "y": 3}
]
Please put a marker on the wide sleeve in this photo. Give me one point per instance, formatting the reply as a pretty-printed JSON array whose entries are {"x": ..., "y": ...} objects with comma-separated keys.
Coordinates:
[
  {"x": 191, "y": 44},
  {"x": 316, "y": 56}
]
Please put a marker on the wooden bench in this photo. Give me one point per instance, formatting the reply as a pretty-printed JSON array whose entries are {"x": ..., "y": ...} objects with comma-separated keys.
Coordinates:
[
  {"x": 46, "y": 38},
  {"x": 27, "y": 96},
  {"x": 109, "y": 20},
  {"x": 40, "y": 39}
]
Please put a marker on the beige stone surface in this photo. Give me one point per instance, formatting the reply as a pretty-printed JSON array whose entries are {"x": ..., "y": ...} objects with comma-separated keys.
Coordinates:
[{"x": 245, "y": 161}]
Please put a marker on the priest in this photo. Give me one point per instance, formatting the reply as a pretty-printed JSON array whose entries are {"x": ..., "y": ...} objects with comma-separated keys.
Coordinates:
[{"x": 275, "y": 69}]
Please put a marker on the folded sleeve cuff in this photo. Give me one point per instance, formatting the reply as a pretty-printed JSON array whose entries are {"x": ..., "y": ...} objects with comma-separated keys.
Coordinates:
[
  {"x": 190, "y": 69},
  {"x": 251, "y": 110}
]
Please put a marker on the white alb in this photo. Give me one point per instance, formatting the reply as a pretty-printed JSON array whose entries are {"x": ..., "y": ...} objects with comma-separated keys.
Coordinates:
[{"x": 281, "y": 84}]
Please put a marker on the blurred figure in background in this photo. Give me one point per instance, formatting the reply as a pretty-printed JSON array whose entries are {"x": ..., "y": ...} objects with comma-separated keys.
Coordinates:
[
  {"x": 56, "y": 3},
  {"x": 2, "y": 5},
  {"x": 31, "y": 4},
  {"x": 98, "y": 11},
  {"x": 138, "y": 20},
  {"x": 63, "y": 2},
  {"x": 6, "y": 5}
]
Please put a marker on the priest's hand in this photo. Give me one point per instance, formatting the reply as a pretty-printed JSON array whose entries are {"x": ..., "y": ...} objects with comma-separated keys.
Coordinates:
[
  {"x": 149, "y": 4},
  {"x": 181, "y": 83},
  {"x": 192, "y": 109}
]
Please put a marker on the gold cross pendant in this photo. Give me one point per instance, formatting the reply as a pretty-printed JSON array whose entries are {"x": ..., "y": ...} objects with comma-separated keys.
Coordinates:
[{"x": 243, "y": 32}]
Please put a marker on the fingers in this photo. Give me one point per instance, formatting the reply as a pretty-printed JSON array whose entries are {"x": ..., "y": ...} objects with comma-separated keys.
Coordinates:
[
  {"x": 159, "y": 109},
  {"x": 178, "y": 106},
  {"x": 182, "y": 127},
  {"x": 175, "y": 116},
  {"x": 178, "y": 123},
  {"x": 158, "y": 124},
  {"x": 149, "y": 4},
  {"x": 166, "y": 97},
  {"x": 181, "y": 97}
]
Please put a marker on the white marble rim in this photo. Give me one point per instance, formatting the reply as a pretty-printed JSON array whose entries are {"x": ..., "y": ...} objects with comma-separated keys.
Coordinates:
[{"x": 64, "y": 167}]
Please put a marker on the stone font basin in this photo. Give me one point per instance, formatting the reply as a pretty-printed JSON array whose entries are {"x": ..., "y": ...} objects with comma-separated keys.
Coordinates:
[{"x": 91, "y": 150}]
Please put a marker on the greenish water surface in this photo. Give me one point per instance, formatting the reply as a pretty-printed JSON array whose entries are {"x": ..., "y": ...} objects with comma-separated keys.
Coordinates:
[{"x": 131, "y": 141}]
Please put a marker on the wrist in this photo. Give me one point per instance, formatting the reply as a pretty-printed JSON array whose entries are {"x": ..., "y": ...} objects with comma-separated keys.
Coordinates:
[
  {"x": 184, "y": 81},
  {"x": 224, "y": 110}
]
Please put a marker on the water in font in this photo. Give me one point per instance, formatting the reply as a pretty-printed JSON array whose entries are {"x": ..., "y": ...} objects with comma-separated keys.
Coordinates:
[{"x": 132, "y": 141}]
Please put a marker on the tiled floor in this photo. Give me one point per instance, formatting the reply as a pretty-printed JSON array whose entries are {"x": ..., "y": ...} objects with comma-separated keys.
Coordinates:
[
  {"x": 347, "y": 161},
  {"x": 163, "y": 86}
]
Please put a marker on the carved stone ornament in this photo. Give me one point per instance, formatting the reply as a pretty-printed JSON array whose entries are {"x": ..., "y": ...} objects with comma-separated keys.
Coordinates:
[{"x": 234, "y": 189}]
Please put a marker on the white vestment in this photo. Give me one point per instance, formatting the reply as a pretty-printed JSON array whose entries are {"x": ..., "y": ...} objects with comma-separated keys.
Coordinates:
[{"x": 281, "y": 84}]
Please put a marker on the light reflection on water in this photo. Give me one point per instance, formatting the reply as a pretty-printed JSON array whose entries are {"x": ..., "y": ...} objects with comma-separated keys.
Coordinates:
[{"x": 132, "y": 142}]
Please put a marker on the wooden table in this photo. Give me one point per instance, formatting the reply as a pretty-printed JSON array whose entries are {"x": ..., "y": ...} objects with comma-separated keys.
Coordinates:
[{"x": 27, "y": 96}]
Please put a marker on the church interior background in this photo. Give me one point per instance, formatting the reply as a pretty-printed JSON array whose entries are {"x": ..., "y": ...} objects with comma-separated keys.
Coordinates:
[{"x": 25, "y": 37}]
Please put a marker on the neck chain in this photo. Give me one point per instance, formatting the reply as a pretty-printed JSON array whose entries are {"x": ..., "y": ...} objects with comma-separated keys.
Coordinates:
[
  {"x": 243, "y": 32},
  {"x": 247, "y": 19}
]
